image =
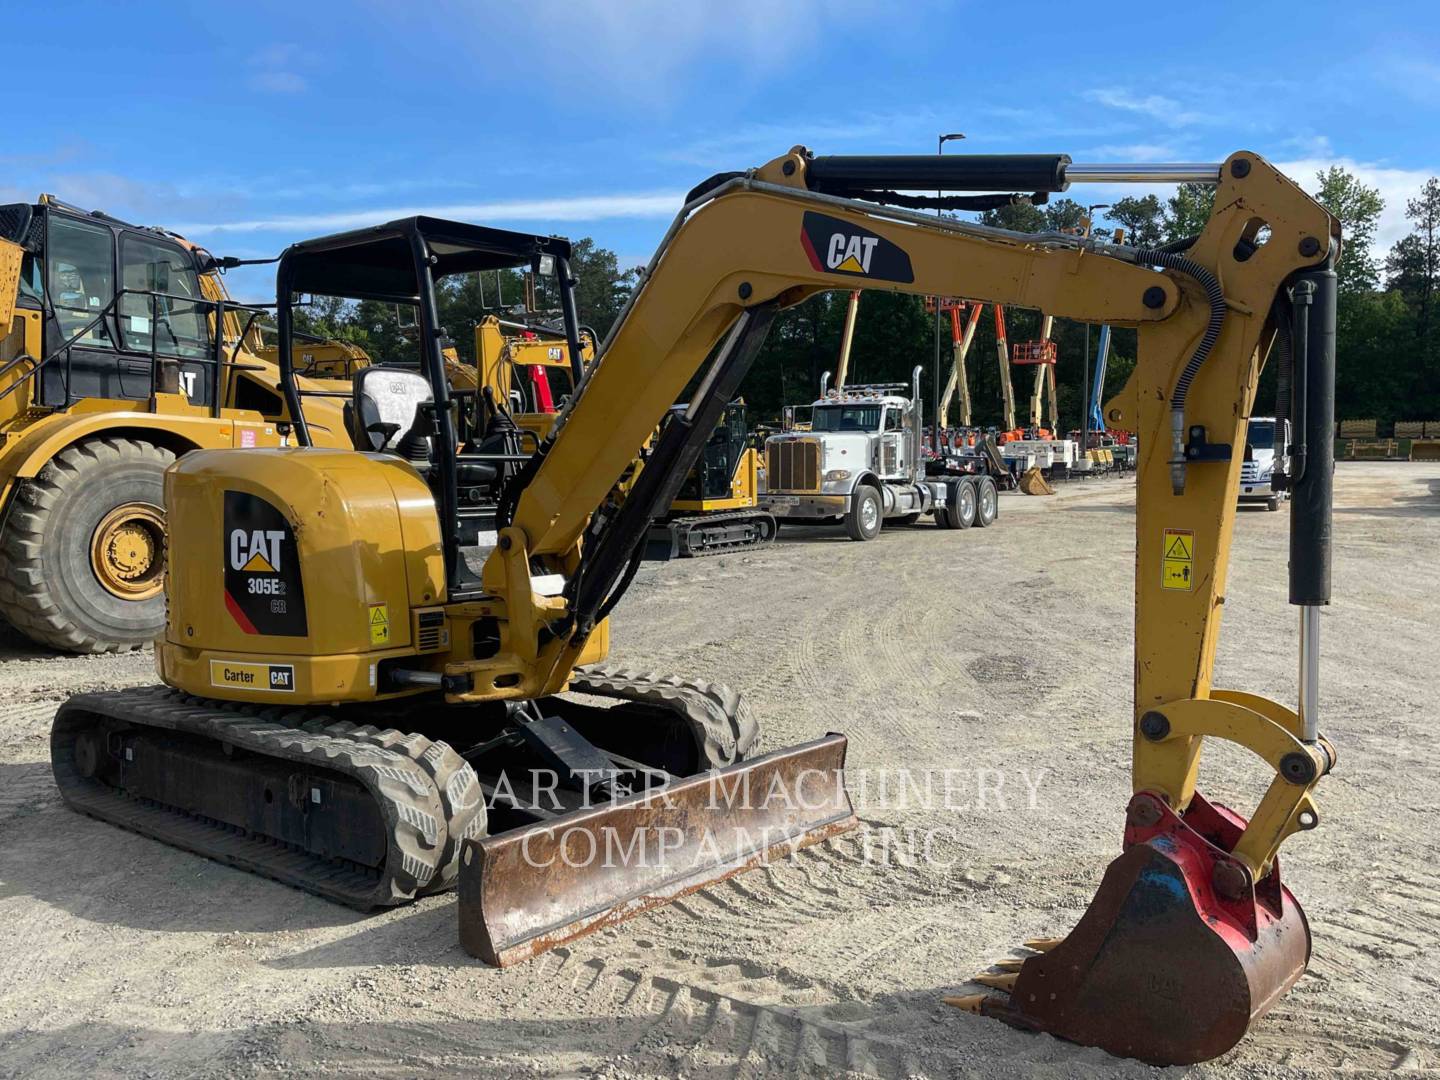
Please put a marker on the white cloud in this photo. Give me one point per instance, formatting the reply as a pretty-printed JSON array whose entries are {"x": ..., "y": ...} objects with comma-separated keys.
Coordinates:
[
  {"x": 1155, "y": 106},
  {"x": 638, "y": 48},
  {"x": 655, "y": 204},
  {"x": 1135, "y": 152},
  {"x": 278, "y": 82},
  {"x": 273, "y": 70},
  {"x": 1394, "y": 184}
]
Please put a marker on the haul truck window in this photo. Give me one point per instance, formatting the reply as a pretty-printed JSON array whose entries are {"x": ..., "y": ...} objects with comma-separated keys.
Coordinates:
[
  {"x": 178, "y": 319},
  {"x": 81, "y": 262}
]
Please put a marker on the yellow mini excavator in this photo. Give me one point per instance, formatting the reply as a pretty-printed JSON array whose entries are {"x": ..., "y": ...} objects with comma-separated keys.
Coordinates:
[{"x": 367, "y": 650}]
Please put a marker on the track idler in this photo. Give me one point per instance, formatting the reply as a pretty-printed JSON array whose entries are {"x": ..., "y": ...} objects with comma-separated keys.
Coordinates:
[{"x": 1176, "y": 956}]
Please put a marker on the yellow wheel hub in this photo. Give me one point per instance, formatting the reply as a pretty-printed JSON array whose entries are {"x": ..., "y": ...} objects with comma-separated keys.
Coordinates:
[{"x": 127, "y": 551}]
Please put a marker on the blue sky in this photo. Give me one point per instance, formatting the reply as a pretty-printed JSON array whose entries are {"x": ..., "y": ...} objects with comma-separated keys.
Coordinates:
[{"x": 249, "y": 126}]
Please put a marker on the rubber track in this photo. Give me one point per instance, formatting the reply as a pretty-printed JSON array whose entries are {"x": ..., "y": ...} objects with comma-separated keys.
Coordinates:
[
  {"x": 416, "y": 787},
  {"x": 718, "y": 717},
  {"x": 685, "y": 528}
]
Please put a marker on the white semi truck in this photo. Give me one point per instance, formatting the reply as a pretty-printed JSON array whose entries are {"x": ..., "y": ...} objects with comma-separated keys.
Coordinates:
[
  {"x": 1263, "y": 451},
  {"x": 861, "y": 462}
]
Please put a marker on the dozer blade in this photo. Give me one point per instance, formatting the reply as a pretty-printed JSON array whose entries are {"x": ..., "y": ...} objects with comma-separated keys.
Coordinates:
[
  {"x": 1172, "y": 961},
  {"x": 530, "y": 889}
]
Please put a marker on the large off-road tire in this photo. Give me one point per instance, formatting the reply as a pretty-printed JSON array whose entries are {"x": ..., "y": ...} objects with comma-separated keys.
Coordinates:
[
  {"x": 862, "y": 520},
  {"x": 987, "y": 502},
  {"x": 82, "y": 552},
  {"x": 959, "y": 513}
]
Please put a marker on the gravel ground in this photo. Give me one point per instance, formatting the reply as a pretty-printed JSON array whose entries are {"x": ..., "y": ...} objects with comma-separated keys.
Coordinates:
[{"x": 1002, "y": 655}]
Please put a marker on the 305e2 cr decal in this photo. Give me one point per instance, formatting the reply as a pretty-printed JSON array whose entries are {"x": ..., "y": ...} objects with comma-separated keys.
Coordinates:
[{"x": 263, "y": 590}]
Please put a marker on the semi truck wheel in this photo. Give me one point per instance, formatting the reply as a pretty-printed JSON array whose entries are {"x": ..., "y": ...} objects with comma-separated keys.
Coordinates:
[
  {"x": 82, "y": 554},
  {"x": 961, "y": 509},
  {"x": 987, "y": 502},
  {"x": 862, "y": 520}
]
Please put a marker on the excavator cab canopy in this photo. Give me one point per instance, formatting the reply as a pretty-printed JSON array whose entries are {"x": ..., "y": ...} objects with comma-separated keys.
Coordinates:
[{"x": 400, "y": 262}]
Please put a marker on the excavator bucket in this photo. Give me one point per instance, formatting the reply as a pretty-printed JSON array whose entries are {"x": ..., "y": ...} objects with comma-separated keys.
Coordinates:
[
  {"x": 1033, "y": 482},
  {"x": 531, "y": 889},
  {"x": 1177, "y": 954}
]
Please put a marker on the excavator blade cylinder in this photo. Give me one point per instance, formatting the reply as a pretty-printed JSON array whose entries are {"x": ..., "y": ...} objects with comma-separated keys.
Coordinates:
[
  {"x": 1164, "y": 966},
  {"x": 528, "y": 890}
]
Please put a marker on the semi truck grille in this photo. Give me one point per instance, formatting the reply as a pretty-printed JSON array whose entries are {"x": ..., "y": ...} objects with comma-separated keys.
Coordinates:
[
  {"x": 793, "y": 465},
  {"x": 1249, "y": 472}
]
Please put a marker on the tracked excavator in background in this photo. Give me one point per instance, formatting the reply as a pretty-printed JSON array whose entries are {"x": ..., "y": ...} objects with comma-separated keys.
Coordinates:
[{"x": 358, "y": 658}]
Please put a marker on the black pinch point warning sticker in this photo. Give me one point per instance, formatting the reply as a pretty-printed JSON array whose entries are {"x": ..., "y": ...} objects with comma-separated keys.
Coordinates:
[{"x": 263, "y": 588}]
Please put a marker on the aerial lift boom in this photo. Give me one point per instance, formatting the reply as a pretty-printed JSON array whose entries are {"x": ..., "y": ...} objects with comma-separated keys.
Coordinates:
[
  {"x": 959, "y": 381},
  {"x": 1002, "y": 353},
  {"x": 1191, "y": 934}
]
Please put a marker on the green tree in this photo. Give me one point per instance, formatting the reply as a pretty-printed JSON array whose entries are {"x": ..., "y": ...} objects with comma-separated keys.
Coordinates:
[
  {"x": 1142, "y": 218},
  {"x": 1413, "y": 267},
  {"x": 1187, "y": 211},
  {"x": 1358, "y": 208},
  {"x": 602, "y": 286}
]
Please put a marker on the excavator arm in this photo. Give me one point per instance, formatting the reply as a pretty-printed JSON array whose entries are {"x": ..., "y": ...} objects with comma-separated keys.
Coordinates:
[{"x": 1192, "y": 934}]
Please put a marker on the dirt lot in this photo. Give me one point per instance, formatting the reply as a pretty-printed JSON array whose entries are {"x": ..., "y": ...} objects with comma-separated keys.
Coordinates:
[{"x": 1002, "y": 654}]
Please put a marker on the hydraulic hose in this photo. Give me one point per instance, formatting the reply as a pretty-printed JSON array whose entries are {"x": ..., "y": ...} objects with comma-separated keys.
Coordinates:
[
  {"x": 1178, "y": 436},
  {"x": 1282, "y": 317}
]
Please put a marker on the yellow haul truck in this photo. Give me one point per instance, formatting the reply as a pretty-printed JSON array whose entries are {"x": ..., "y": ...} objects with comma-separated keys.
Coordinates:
[{"x": 120, "y": 351}]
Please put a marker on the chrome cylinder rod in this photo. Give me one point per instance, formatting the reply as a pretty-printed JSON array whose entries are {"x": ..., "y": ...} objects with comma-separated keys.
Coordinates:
[
  {"x": 1310, "y": 672},
  {"x": 1142, "y": 173}
]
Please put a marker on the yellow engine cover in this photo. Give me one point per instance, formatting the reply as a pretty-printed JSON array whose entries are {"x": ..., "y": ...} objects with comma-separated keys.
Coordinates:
[{"x": 290, "y": 573}]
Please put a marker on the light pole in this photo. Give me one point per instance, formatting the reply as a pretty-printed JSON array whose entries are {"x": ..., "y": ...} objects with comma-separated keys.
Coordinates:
[{"x": 940, "y": 142}]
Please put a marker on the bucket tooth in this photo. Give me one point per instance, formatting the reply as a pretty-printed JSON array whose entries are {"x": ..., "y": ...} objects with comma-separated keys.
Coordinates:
[
  {"x": 1009, "y": 964},
  {"x": 1043, "y": 944},
  {"x": 971, "y": 1003},
  {"x": 996, "y": 982}
]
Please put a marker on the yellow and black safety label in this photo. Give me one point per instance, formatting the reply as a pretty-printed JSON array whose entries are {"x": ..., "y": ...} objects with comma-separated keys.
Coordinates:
[
  {"x": 1178, "y": 560},
  {"x": 379, "y": 624},
  {"x": 253, "y": 675}
]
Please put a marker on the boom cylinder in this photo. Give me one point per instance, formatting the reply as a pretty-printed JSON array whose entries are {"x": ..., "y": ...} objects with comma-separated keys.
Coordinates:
[
  {"x": 1313, "y": 498},
  {"x": 848, "y": 174}
]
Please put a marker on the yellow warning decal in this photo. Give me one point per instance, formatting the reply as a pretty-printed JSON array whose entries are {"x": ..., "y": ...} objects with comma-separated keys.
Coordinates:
[
  {"x": 1178, "y": 560},
  {"x": 379, "y": 624}
]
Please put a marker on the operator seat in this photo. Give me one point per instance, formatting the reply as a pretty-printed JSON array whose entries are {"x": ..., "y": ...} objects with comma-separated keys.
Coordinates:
[{"x": 388, "y": 412}]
